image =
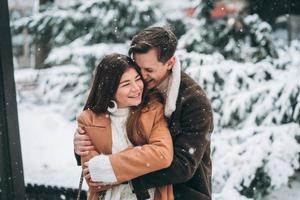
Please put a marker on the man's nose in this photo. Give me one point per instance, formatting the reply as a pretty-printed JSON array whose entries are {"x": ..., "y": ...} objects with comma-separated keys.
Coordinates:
[{"x": 144, "y": 74}]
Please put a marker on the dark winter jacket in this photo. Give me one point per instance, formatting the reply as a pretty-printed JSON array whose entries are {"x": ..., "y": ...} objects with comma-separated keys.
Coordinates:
[{"x": 191, "y": 125}]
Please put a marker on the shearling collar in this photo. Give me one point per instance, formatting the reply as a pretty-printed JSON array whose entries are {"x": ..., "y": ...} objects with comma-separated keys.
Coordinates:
[{"x": 173, "y": 89}]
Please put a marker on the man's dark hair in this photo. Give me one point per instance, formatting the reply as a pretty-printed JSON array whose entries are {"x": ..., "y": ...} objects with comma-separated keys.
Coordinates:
[{"x": 160, "y": 38}]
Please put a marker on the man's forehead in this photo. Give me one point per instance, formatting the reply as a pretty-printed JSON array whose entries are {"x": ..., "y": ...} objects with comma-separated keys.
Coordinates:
[
  {"x": 145, "y": 63},
  {"x": 150, "y": 53}
]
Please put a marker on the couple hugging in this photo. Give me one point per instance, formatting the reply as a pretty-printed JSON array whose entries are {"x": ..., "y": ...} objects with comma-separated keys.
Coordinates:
[{"x": 145, "y": 129}]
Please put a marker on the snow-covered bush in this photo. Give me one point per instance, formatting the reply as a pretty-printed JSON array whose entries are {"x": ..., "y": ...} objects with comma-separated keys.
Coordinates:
[
  {"x": 86, "y": 57},
  {"x": 254, "y": 160},
  {"x": 68, "y": 84}
]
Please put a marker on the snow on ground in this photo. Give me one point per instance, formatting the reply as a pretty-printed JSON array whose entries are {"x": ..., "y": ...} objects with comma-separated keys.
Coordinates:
[{"x": 47, "y": 146}]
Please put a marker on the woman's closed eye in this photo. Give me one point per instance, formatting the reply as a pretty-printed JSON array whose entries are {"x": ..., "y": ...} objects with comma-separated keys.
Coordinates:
[
  {"x": 127, "y": 83},
  {"x": 138, "y": 78},
  {"x": 124, "y": 84}
]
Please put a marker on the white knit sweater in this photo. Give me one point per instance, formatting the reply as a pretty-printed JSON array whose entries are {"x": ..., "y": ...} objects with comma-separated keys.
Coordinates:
[{"x": 100, "y": 166}]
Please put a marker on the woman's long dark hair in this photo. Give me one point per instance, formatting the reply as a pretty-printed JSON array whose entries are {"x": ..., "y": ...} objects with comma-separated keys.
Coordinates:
[{"x": 104, "y": 87}]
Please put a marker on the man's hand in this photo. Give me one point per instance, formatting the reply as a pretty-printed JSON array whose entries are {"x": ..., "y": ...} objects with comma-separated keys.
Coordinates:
[{"x": 82, "y": 142}]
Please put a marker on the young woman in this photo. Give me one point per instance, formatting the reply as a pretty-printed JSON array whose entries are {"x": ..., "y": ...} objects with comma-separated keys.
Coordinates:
[{"x": 128, "y": 130}]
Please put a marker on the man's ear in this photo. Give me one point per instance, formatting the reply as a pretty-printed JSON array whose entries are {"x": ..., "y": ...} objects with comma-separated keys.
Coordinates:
[{"x": 171, "y": 62}]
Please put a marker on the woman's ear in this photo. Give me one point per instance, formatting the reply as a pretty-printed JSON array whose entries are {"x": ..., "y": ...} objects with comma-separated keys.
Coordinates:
[{"x": 171, "y": 62}]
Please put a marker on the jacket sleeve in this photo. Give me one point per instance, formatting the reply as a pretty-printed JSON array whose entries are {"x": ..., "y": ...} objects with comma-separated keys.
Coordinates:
[
  {"x": 191, "y": 139},
  {"x": 140, "y": 160},
  {"x": 84, "y": 121}
]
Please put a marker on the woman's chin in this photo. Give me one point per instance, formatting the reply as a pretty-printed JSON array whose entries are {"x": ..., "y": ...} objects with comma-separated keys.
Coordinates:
[{"x": 136, "y": 103}]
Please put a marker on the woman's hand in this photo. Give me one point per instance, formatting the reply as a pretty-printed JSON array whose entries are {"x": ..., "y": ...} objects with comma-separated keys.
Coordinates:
[
  {"x": 94, "y": 185},
  {"x": 86, "y": 172}
]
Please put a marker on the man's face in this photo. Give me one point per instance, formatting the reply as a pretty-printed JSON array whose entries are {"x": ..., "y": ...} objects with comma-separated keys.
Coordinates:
[{"x": 153, "y": 71}]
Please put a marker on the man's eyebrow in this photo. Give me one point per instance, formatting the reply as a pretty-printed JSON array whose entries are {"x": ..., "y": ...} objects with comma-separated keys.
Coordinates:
[{"x": 148, "y": 68}]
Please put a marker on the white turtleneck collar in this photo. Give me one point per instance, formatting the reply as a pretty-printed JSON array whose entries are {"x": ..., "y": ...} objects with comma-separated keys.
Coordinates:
[{"x": 120, "y": 112}]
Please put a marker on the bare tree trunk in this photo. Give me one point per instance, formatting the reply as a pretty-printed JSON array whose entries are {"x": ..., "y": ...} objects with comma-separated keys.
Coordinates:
[
  {"x": 42, "y": 50},
  {"x": 42, "y": 47}
]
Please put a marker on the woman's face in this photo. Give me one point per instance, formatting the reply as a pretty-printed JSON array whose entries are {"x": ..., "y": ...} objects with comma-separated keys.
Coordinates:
[{"x": 130, "y": 90}]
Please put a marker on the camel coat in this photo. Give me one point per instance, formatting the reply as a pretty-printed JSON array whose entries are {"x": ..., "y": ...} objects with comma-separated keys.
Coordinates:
[{"x": 155, "y": 154}]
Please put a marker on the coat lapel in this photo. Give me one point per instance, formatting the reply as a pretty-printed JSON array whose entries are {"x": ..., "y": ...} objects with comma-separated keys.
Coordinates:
[{"x": 100, "y": 134}]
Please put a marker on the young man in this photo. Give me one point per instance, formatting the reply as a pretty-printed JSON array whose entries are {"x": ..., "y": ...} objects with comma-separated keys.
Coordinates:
[{"x": 189, "y": 114}]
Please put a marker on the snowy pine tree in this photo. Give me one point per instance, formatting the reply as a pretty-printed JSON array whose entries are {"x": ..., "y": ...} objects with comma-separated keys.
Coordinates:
[
  {"x": 236, "y": 37},
  {"x": 257, "y": 115},
  {"x": 93, "y": 21},
  {"x": 89, "y": 22}
]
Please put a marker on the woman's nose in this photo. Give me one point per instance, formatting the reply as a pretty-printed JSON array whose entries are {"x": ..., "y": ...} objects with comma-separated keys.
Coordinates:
[{"x": 135, "y": 86}]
